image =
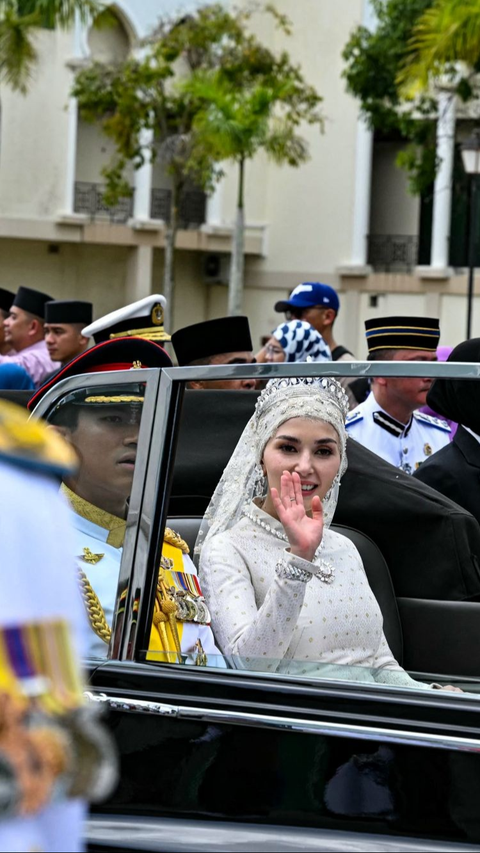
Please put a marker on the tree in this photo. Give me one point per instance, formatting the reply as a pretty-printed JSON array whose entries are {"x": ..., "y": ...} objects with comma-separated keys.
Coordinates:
[
  {"x": 209, "y": 52},
  {"x": 374, "y": 60},
  {"x": 247, "y": 112},
  {"x": 445, "y": 43},
  {"x": 19, "y": 19},
  {"x": 146, "y": 95}
]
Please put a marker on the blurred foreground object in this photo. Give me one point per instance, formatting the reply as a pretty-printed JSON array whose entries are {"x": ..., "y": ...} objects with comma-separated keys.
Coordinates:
[{"x": 52, "y": 751}]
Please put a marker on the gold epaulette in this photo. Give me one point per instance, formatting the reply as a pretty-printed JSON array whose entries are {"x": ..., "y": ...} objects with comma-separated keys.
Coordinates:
[
  {"x": 172, "y": 538},
  {"x": 32, "y": 444}
]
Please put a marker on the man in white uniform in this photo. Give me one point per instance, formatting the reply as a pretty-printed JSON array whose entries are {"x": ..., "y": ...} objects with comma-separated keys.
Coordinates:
[
  {"x": 104, "y": 432},
  {"x": 388, "y": 422}
]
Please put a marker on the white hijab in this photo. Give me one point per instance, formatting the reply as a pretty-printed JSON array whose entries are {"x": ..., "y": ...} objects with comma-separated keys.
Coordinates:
[{"x": 242, "y": 480}]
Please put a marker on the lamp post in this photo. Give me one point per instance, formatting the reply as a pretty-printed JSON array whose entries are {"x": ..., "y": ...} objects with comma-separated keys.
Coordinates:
[{"x": 471, "y": 163}]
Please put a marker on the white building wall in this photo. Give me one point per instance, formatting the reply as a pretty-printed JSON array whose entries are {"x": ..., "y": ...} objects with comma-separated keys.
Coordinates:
[{"x": 35, "y": 134}]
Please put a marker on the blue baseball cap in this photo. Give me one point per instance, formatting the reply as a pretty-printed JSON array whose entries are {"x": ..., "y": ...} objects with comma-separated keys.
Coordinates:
[{"x": 309, "y": 294}]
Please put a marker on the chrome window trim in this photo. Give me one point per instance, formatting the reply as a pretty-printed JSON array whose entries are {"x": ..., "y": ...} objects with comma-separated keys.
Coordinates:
[{"x": 289, "y": 724}]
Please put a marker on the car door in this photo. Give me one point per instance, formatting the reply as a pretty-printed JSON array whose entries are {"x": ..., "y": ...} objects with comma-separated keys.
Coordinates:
[{"x": 305, "y": 760}]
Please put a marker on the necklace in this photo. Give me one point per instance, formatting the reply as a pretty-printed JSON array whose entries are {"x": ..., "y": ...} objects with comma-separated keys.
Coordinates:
[{"x": 326, "y": 569}]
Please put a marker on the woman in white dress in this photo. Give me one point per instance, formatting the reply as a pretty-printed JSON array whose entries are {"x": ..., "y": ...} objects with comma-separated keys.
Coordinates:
[{"x": 286, "y": 593}]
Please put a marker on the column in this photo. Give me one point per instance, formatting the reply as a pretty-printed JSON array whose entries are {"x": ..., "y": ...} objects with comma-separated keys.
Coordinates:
[
  {"x": 442, "y": 201},
  {"x": 143, "y": 179},
  {"x": 71, "y": 156},
  {"x": 214, "y": 205},
  {"x": 363, "y": 175},
  {"x": 139, "y": 273},
  {"x": 80, "y": 51},
  {"x": 362, "y": 193}
]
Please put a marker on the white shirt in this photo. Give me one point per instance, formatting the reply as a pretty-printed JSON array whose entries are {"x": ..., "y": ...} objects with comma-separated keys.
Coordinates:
[{"x": 404, "y": 445}]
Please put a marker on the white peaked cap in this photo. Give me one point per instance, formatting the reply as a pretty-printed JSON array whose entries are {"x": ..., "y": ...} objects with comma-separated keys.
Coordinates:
[{"x": 143, "y": 319}]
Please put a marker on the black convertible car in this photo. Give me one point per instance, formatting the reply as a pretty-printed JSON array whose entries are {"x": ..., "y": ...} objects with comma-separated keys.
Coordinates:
[{"x": 227, "y": 759}]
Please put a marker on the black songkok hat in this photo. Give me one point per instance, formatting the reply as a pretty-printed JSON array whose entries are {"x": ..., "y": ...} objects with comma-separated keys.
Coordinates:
[
  {"x": 120, "y": 354},
  {"x": 6, "y": 299},
  {"x": 68, "y": 311},
  {"x": 32, "y": 301},
  {"x": 459, "y": 399},
  {"x": 203, "y": 340},
  {"x": 415, "y": 333}
]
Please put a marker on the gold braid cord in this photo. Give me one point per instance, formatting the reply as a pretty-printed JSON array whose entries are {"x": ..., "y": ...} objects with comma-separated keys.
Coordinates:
[
  {"x": 176, "y": 540},
  {"x": 95, "y": 612}
]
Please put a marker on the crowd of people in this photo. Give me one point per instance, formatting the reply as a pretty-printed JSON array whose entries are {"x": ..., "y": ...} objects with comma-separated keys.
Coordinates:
[{"x": 307, "y": 437}]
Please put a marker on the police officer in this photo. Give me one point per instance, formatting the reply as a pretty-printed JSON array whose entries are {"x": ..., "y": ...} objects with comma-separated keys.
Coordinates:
[
  {"x": 388, "y": 421},
  {"x": 103, "y": 429},
  {"x": 141, "y": 319}
]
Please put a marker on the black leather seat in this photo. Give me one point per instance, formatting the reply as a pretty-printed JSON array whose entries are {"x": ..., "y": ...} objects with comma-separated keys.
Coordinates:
[{"x": 375, "y": 568}]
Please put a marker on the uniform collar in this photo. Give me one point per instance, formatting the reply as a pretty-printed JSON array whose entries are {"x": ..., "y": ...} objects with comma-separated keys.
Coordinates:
[
  {"x": 116, "y": 526},
  {"x": 386, "y": 421}
]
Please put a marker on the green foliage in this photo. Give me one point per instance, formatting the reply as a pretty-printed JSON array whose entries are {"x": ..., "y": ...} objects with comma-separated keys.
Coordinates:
[
  {"x": 18, "y": 21},
  {"x": 445, "y": 37},
  {"x": 374, "y": 60},
  {"x": 209, "y": 90}
]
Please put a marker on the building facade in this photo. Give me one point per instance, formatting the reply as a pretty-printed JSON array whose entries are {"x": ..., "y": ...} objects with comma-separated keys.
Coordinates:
[{"x": 345, "y": 218}]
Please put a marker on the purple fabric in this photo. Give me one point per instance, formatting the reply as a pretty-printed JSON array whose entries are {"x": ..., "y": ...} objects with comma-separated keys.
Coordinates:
[
  {"x": 442, "y": 355},
  {"x": 35, "y": 360}
]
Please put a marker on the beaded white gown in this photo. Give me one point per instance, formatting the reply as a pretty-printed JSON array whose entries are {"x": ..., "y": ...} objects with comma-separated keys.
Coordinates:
[{"x": 332, "y": 630}]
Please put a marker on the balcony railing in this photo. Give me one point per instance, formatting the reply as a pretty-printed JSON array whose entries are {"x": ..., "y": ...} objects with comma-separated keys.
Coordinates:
[
  {"x": 191, "y": 210},
  {"x": 89, "y": 199},
  {"x": 392, "y": 252}
]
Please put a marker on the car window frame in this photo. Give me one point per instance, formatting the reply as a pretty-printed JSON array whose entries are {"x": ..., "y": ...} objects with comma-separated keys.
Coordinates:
[
  {"x": 157, "y": 441},
  {"x": 136, "y": 520}
]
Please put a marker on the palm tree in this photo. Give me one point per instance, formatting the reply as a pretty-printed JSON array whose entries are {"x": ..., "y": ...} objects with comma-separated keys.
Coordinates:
[
  {"x": 446, "y": 35},
  {"x": 234, "y": 122},
  {"x": 18, "y": 21}
]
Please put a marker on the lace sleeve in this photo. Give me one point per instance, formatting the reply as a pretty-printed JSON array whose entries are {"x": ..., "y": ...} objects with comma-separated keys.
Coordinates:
[
  {"x": 258, "y": 637},
  {"x": 388, "y": 671}
]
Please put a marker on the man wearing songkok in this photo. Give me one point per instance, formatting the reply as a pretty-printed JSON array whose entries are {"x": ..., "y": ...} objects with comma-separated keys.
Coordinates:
[
  {"x": 6, "y": 299},
  {"x": 53, "y": 755},
  {"x": 388, "y": 421},
  {"x": 25, "y": 334},
  {"x": 226, "y": 340},
  {"x": 103, "y": 429},
  {"x": 319, "y": 304},
  {"x": 141, "y": 319},
  {"x": 64, "y": 321}
]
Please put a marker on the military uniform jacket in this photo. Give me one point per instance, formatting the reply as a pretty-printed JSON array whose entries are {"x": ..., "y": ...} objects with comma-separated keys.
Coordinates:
[
  {"x": 404, "y": 445},
  {"x": 455, "y": 471},
  {"x": 101, "y": 563}
]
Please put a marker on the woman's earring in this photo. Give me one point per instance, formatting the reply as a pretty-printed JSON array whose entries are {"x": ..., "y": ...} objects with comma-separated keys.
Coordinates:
[
  {"x": 259, "y": 487},
  {"x": 335, "y": 485}
]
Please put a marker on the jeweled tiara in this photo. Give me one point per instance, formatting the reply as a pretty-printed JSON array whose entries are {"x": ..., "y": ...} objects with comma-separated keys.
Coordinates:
[{"x": 311, "y": 386}]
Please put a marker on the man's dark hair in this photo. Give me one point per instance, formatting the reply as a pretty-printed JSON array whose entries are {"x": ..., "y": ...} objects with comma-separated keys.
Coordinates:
[
  {"x": 381, "y": 355},
  {"x": 200, "y": 362}
]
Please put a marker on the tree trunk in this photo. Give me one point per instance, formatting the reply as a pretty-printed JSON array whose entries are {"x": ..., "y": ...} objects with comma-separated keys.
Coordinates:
[
  {"x": 169, "y": 261},
  {"x": 237, "y": 264}
]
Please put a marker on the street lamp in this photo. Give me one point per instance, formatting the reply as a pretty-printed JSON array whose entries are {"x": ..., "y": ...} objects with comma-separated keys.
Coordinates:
[{"x": 471, "y": 163}]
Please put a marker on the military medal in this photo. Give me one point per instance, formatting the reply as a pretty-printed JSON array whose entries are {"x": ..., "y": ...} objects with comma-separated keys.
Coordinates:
[{"x": 427, "y": 449}]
